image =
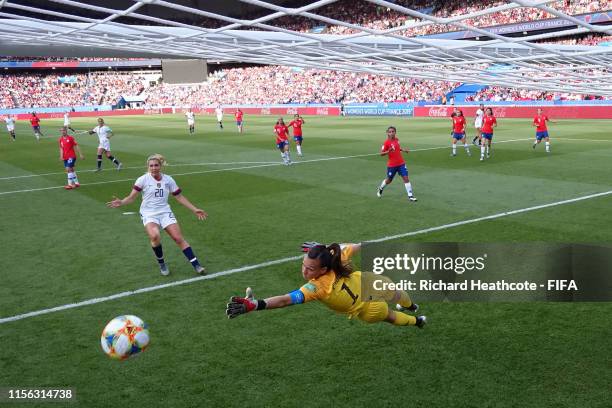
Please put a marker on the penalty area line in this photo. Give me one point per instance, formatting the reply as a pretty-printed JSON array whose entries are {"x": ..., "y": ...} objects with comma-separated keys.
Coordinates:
[{"x": 289, "y": 259}]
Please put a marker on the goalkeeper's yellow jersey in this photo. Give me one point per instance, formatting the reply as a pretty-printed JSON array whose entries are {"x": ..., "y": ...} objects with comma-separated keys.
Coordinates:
[{"x": 340, "y": 294}]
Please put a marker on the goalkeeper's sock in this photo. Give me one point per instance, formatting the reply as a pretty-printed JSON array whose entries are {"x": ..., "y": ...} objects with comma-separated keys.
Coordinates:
[
  {"x": 402, "y": 319},
  {"x": 159, "y": 254},
  {"x": 193, "y": 260},
  {"x": 404, "y": 299}
]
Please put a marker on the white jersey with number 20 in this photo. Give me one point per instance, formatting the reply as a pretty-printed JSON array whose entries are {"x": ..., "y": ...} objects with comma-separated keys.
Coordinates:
[{"x": 155, "y": 194}]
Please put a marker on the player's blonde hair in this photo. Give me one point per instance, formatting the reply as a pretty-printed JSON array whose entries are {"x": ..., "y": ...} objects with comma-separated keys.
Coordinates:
[{"x": 160, "y": 159}]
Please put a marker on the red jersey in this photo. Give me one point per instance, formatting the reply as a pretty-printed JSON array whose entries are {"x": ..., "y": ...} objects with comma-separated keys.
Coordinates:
[
  {"x": 395, "y": 154},
  {"x": 487, "y": 124},
  {"x": 35, "y": 121},
  {"x": 297, "y": 126},
  {"x": 238, "y": 116},
  {"x": 282, "y": 133},
  {"x": 67, "y": 144},
  {"x": 540, "y": 122},
  {"x": 458, "y": 124}
]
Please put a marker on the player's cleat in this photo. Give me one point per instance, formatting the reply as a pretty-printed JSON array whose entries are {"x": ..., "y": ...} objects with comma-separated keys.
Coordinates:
[
  {"x": 77, "y": 185},
  {"x": 249, "y": 293},
  {"x": 421, "y": 321},
  {"x": 68, "y": 187},
  {"x": 379, "y": 192},
  {"x": 119, "y": 166},
  {"x": 481, "y": 158},
  {"x": 453, "y": 154},
  {"x": 163, "y": 269},
  {"x": 200, "y": 269},
  {"x": 98, "y": 169},
  {"x": 412, "y": 198},
  {"x": 534, "y": 146},
  {"x": 413, "y": 308},
  {"x": 488, "y": 156},
  {"x": 306, "y": 246}
]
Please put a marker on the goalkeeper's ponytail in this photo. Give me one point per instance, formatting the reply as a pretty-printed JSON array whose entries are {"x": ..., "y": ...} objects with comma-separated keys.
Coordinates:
[{"x": 330, "y": 256}]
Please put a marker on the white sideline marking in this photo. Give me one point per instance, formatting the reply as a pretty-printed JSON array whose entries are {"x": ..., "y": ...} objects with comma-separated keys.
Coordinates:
[
  {"x": 265, "y": 164},
  {"x": 288, "y": 259}
]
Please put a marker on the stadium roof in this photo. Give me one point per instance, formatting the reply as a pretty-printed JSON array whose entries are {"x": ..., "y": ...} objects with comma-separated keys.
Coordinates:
[{"x": 506, "y": 61}]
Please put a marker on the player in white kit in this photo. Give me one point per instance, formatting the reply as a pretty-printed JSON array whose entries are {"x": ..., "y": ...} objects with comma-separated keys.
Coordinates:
[
  {"x": 104, "y": 134},
  {"x": 190, "y": 121},
  {"x": 478, "y": 124},
  {"x": 156, "y": 213},
  {"x": 67, "y": 121},
  {"x": 10, "y": 126},
  {"x": 219, "y": 112}
]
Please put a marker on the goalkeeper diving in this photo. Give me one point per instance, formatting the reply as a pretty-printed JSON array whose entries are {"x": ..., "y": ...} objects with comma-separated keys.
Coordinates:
[{"x": 332, "y": 281}]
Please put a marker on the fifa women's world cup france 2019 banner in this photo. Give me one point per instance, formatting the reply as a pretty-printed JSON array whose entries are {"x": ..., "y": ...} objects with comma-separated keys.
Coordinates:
[
  {"x": 488, "y": 272},
  {"x": 379, "y": 109}
]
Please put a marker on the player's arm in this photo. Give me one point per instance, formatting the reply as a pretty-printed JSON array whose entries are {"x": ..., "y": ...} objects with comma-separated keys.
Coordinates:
[
  {"x": 201, "y": 214},
  {"x": 118, "y": 202},
  {"x": 384, "y": 150},
  {"x": 78, "y": 150},
  {"x": 241, "y": 305},
  {"x": 61, "y": 154},
  {"x": 110, "y": 134}
]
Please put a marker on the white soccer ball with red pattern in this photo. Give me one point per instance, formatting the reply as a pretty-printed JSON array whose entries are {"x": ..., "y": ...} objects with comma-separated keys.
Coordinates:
[{"x": 125, "y": 336}]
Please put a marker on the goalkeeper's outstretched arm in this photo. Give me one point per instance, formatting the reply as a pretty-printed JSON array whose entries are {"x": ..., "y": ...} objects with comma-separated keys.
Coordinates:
[{"x": 239, "y": 305}]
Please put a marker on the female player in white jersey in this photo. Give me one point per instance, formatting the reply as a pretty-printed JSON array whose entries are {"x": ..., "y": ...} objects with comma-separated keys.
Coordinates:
[
  {"x": 190, "y": 121},
  {"x": 478, "y": 123},
  {"x": 104, "y": 134},
  {"x": 10, "y": 126},
  {"x": 67, "y": 121},
  {"x": 155, "y": 212}
]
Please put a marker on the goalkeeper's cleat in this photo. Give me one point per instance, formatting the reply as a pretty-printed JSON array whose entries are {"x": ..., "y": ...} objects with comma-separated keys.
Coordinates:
[
  {"x": 163, "y": 269},
  {"x": 306, "y": 246},
  {"x": 412, "y": 309},
  {"x": 421, "y": 321},
  {"x": 200, "y": 269},
  {"x": 412, "y": 198},
  {"x": 379, "y": 192}
]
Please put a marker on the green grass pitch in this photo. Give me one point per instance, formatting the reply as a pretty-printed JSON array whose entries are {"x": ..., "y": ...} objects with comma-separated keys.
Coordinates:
[{"x": 59, "y": 247}]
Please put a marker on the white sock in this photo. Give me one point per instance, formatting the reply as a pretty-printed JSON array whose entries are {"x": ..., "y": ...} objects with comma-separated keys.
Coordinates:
[
  {"x": 488, "y": 148},
  {"x": 466, "y": 147},
  {"x": 69, "y": 176},
  {"x": 299, "y": 149},
  {"x": 75, "y": 180},
  {"x": 383, "y": 184},
  {"x": 454, "y": 149},
  {"x": 288, "y": 155},
  {"x": 548, "y": 146},
  {"x": 283, "y": 156},
  {"x": 482, "y": 150},
  {"x": 408, "y": 188}
]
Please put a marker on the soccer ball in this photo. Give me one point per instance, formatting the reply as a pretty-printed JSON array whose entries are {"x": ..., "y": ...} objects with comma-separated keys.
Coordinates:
[{"x": 124, "y": 336}]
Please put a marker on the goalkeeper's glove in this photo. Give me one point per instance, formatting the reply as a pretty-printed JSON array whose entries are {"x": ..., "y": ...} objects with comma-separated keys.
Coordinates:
[
  {"x": 306, "y": 246},
  {"x": 241, "y": 305}
]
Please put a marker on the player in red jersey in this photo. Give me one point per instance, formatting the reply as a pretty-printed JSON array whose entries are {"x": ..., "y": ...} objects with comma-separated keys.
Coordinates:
[
  {"x": 395, "y": 163},
  {"x": 35, "y": 122},
  {"x": 67, "y": 148},
  {"x": 458, "y": 132},
  {"x": 488, "y": 123},
  {"x": 282, "y": 140},
  {"x": 539, "y": 121},
  {"x": 238, "y": 116},
  {"x": 297, "y": 123}
]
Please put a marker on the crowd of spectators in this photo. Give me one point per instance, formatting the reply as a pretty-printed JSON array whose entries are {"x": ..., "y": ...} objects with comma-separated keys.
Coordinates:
[
  {"x": 589, "y": 39},
  {"x": 48, "y": 90},
  {"x": 250, "y": 85}
]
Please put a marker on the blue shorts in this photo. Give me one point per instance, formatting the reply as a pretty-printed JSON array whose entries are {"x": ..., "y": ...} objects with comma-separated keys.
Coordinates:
[
  {"x": 488, "y": 136},
  {"x": 541, "y": 135},
  {"x": 70, "y": 162},
  {"x": 458, "y": 136},
  {"x": 238, "y": 123},
  {"x": 36, "y": 128},
  {"x": 401, "y": 169},
  {"x": 297, "y": 138},
  {"x": 281, "y": 145}
]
